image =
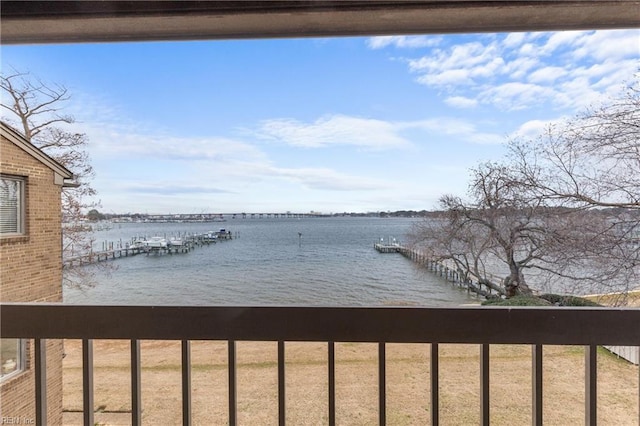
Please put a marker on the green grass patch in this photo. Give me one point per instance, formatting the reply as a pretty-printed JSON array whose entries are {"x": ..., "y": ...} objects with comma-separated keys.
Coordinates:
[
  {"x": 519, "y": 300},
  {"x": 542, "y": 300}
]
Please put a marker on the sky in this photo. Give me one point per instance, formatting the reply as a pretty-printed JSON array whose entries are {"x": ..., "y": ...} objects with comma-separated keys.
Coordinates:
[{"x": 330, "y": 125}]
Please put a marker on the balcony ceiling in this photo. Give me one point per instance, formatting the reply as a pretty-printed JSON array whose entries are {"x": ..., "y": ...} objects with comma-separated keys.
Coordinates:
[{"x": 102, "y": 21}]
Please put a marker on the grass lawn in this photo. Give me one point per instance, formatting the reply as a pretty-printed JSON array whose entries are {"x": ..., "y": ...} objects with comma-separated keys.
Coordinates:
[{"x": 356, "y": 384}]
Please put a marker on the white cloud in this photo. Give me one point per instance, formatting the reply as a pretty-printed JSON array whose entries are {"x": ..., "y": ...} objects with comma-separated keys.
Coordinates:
[
  {"x": 534, "y": 128},
  {"x": 403, "y": 41},
  {"x": 328, "y": 179},
  {"x": 516, "y": 96},
  {"x": 489, "y": 69},
  {"x": 514, "y": 39},
  {"x": 561, "y": 39},
  {"x": 446, "y": 78},
  {"x": 546, "y": 74},
  {"x": 124, "y": 141},
  {"x": 164, "y": 187},
  {"x": 334, "y": 130},
  {"x": 613, "y": 45},
  {"x": 374, "y": 135},
  {"x": 517, "y": 71},
  {"x": 459, "y": 57},
  {"x": 460, "y": 129},
  {"x": 520, "y": 67},
  {"x": 461, "y": 102}
]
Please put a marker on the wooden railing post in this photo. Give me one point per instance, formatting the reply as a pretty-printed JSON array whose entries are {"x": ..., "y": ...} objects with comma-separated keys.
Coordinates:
[
  {"x": 536, "y": 381},
  {"x": 87, "y": 381},
  {"x": 331, "y": 367},
  {"x": 435, "y": 387},
  {"x": 136, "y": 380},
  {"x": 484, "y": 384},
  {"x": 41, "y": 381},
  {"x": 231, "y": 362},
  {"x": 281, "y": 384},
  {"x": 382, "y": 384},
  {"x": 186, "y": 383},
  {"x": 590, "y": 384}
]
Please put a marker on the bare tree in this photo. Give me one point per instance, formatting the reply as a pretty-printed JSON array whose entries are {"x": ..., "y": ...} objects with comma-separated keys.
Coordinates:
[
  {"x": 591, "y": 160},
  {"x": 501, "y": 221},
  {"x": 35, "y": 108},
  {"x": 503, "y": 230},
  {"x": 448, "y": 239},
  {"x": 564, "y": 207}
]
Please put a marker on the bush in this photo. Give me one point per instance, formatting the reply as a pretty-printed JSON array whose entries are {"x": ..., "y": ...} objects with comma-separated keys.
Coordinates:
[
  {"x": 518, "y": 301},
  {"x": 564, "y": 300},
  {"x": 542, "y": 300}
]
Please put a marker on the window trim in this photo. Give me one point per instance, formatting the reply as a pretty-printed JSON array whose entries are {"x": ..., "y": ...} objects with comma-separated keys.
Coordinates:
[
  {"x": 21, "y": 206},
  {"x": 21, "y": 361}
]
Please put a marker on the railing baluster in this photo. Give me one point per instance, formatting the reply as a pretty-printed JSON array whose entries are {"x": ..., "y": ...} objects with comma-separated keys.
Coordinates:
[
  {"x": 332, "y": 383},
  {"x": 281, "y": 384},
  {"x": 382, "y": 384},
  {"x": 484, "y": 384},
  {"x": 87, "y": 381},
  {"x": 536, "y": 381},
  {"x": 186, "y": 382},
  {"x": 435, "y": 386},
  {"x": 136, "y": 380},
  {"x": 41, "y": 381},
  {"x": 590, "y": 385},
  {"x": 231, "y": 361}
]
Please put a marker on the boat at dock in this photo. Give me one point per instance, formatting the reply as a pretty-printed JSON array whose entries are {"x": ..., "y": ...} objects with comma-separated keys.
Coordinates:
[
  {"x": 223, "y": 234},
  {"x": 136, "y": 244},
  {"x": 177, "y": 242},
  {"x": 210, "y": 237},
  {"x": 156, "y": 242}
]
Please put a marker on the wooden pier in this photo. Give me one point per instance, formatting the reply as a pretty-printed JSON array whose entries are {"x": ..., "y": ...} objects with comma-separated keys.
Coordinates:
[
  {"x": 98, "y": 256},
  {"x": 387, "y": 248},
  {"x": 143, "y": 245},
  {"x": 473, "y": 284}
]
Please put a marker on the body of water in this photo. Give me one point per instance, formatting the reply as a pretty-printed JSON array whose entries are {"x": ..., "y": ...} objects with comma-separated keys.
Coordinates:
[{"x": 306, "y": 261}]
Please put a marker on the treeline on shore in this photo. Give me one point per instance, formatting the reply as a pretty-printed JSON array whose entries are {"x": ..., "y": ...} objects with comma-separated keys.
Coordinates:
[{"x": 94, "y": 215}]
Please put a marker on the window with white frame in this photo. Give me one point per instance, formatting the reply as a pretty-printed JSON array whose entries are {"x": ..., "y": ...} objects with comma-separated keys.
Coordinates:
[
  {"x": 11, "y": 205},
  {"x": 12, "y": 356}
]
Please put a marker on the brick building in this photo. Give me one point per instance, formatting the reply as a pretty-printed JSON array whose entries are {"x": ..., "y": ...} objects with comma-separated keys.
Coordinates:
[{"x": 30, "y": 267}]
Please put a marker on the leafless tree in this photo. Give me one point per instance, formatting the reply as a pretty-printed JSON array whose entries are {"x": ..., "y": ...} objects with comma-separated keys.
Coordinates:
[
  {"x": 564, "y": 207},
  {"x": 591, "y": 160},
  {"x": 503, "y": 230},
  {"x": 448, "y": 239},
  {"x": 445, "y": 239},
  {"x": 35, "y": 108}
]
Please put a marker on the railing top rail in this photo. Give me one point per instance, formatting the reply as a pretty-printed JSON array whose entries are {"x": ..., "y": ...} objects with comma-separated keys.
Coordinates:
[{"x": 517, "y": 325}]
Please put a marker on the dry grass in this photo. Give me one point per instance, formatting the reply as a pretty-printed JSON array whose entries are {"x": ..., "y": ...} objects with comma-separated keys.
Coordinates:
[
  {"x": 356, "y": 387},
  {"x": 629, "y": 299}
]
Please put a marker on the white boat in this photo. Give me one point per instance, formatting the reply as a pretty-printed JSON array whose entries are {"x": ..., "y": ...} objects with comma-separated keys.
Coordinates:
[
  {"x": 156, "y": 242},
  {"x": 137, "y": 244},
  {"x": 176, "y": 242}
]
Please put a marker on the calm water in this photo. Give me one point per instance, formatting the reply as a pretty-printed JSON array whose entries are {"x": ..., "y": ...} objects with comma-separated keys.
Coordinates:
[{"x": 333, "y": 263}]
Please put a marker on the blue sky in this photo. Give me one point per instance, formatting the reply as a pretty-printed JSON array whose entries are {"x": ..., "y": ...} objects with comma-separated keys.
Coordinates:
[{"x": 328, "y": 125}]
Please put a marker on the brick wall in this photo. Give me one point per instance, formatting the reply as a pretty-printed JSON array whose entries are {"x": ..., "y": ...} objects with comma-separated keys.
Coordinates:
[{"x": 31, "y": 271}]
